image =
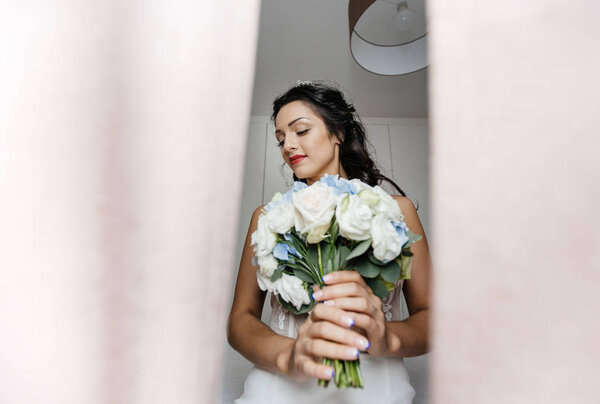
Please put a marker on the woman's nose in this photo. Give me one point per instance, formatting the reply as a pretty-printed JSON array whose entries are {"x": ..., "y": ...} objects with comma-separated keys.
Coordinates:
[{"x": 290, "y": 143}]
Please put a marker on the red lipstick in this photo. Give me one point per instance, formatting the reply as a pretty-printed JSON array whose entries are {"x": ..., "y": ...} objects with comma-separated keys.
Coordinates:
[{"x": 296, "y": 159}]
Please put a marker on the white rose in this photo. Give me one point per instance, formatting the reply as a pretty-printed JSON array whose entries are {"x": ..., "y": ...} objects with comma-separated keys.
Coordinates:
[
  {"x": 387, "y": 205},
  {"x": 386, "y": 243},
  {"x": 263, "y": 239},
  {"x": 354, "y": 218},
  {"x": 291, "y": 290},
  {"x": 358, "y": 185},
  {"x": 265, "y": 284},
  {"x": 314, "y": 208},
  {"x": 276, "y": 197},
  {"x": 281, "y": 218},
  {"x": 369, "y": 197},
  {"x": 267, "y": 264}
]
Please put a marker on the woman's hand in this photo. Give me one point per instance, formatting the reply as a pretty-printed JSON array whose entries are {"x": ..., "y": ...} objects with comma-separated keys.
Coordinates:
[
  {"x": 326, "y": 333},
  {"x": 346, "y": 291}
]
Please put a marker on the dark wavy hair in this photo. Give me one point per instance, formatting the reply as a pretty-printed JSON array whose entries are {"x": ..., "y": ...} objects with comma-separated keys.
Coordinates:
[{"x": 340, "y": 117}]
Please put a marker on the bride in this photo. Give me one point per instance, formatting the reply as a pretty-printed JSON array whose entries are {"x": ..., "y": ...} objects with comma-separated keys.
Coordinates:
[{"x": 319, "y": 133}]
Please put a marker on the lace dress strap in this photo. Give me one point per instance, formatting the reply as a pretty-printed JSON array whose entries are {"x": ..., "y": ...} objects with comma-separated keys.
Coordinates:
[{"x": 282, "y": 321}]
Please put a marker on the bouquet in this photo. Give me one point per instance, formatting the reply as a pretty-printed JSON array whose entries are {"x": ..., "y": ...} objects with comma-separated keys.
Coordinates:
[{"x": 333, "y": 224}]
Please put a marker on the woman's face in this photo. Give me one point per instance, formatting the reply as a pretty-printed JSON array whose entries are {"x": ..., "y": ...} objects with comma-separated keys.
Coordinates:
[{"x": 306, "y": 144}]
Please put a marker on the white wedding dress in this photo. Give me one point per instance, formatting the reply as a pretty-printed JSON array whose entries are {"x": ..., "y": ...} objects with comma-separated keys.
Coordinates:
[{"x": 386, "y": 379}]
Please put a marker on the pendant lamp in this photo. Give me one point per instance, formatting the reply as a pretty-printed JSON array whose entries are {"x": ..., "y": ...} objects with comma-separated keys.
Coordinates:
[{"x": 388, "y": 37}]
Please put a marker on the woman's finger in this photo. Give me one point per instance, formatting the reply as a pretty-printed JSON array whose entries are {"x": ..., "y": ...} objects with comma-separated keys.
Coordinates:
[
  {"x": 310, "y": 368},
  {"x": 324, "y": 330},
  {"x": 354, "y": 304},
  {"x": 341, "y": 290},
  {"x": 332, "y": 314},
  {"x": 336, "y": 277},
  {"x": 326, "y": 349},
  {"x": 370, "y": 324}
]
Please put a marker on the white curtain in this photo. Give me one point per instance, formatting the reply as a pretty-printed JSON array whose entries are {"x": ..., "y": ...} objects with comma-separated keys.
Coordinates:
[
  {"x": 515, "y": 197},
  {"x": 122, "y": 141}
]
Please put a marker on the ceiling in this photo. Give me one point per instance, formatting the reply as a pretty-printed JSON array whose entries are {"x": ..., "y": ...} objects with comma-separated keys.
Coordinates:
[{"x": 308, "y": 40}]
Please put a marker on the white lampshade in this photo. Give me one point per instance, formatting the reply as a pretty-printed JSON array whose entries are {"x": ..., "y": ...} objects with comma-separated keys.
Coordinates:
[{"x": 388, "y": 37}]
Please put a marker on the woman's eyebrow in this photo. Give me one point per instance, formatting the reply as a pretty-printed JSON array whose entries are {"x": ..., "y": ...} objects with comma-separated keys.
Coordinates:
[{"x": 292, "y": 122}]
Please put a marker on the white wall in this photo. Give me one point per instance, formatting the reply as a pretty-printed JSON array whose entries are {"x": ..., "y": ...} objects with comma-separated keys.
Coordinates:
[
  {"x": 401, "y": 149},
  {"x": 308, "y": 40}
]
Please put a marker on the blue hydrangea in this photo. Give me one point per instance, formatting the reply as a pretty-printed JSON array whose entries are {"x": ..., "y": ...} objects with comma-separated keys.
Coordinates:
[
  {"x": 282, "y": 251},
  {"x": 298, "y": 185},
  {"x": 339, "y": 185},
  {"x": 401, "y": 229},
  {"x": 287, "y": 197}
]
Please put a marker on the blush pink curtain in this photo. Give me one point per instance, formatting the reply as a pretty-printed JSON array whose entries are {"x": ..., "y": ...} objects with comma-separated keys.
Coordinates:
[
  {"x": 515, "y": 201},
  {"x": 122, "y": 142}
]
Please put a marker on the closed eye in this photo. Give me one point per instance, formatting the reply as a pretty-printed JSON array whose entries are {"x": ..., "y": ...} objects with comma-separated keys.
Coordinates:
[{"x": 302, "y": 132}]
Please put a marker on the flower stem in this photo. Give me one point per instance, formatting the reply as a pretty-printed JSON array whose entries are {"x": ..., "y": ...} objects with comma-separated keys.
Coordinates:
[
  {"x": 320, "y": 262},
  {"x": 347, "y": 373},
  {"x": 322, "y": 382}
]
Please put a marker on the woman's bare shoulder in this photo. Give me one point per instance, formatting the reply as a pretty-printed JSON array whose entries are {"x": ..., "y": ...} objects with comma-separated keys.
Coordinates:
[
  {"x": 258, "y": 211},
  {"x": 411, "y": 217},
  {"x": 406, "y": 205},
  {"x": 254, "y": 218}
]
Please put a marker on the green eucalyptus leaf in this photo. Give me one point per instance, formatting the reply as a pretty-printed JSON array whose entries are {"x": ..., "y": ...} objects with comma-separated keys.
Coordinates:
[
  {"x": 389, "y": 285},
  {"x": 325, "y": 251},
  {"x": 328, "y": 268},
  {"x": 288, "y": 270},
  {"x": 374, "y": 260},
  {"x": 339, "y": 258},
  {"x": 378, "y": 287},
  {"x": 305, "y": 308},
  {"x": 302, "y": 266},
  {"x": 359, "y": 250},
  {"x": 366, "y": 268},
  {"x": 406, "y": 266},
  {"x": 278, "y": 273},
  {"x": 412, "y": 238},
  {"x": 391, "y": 271},
  {"x": 344, "y": 252},
  {"x": 407, "y": 253},
  {"x": 332, "y": 251},
  {"x": 303, "y": 275}
]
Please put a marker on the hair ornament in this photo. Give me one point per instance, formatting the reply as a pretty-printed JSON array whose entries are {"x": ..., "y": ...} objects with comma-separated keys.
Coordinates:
[{"x": 304, "y": 83}]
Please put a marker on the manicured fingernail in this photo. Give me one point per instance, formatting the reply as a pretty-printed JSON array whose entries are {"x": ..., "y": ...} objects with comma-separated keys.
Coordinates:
[
  {"x": 317, "y": 294},
  {"x": 349, "y": 321},
  {"x": 326, "y": 278},
  {"x": 352, "y": 352},
  {"x": 328, "y": 302},
  {"x": 328, "y": 373},
  {"x": 363, "y": 343}
]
